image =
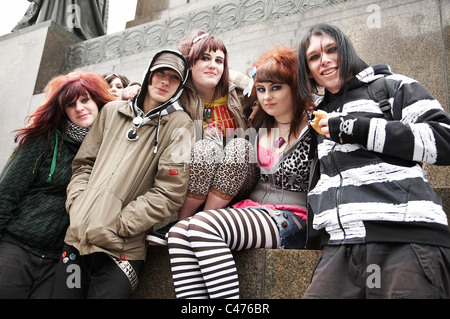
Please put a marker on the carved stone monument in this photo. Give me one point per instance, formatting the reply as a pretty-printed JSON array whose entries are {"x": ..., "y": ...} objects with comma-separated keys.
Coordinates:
[{"x": 86, "y": 19}]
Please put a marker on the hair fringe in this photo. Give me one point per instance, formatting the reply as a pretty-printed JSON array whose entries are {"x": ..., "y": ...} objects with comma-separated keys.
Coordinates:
[
  {"x": 59, "y": 92},
  {"x": 280, "y": 65}
]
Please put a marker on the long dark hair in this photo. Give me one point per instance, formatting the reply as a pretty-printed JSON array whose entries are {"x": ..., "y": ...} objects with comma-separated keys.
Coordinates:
[{"x": 350, "y": 63}]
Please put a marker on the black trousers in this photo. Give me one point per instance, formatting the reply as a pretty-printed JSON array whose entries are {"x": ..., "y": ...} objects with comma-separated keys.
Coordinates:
[
  {"x": 94, "y": 276},
  {"x": 382, "y": 271},
  {"x": 24, "y": 275}
]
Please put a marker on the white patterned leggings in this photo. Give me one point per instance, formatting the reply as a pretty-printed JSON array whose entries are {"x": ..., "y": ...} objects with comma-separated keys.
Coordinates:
[{"x": 200, "y": 248}]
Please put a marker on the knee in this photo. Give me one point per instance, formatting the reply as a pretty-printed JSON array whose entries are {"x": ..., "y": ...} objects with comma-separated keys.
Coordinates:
[
  {"x": 178, "y": 230},
  {"x": 239, "y": 150},
  {"x": 206, "y": 151},
  {"x": 203, "y": 224},
  {"x": 238, "y": 144}
]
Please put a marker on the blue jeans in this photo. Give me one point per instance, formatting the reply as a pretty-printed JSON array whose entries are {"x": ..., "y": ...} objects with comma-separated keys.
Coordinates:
[{"x": 292, "y": 228}]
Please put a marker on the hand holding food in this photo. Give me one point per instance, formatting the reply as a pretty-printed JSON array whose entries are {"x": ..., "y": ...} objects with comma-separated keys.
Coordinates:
[{"x": 319, "y": 114}]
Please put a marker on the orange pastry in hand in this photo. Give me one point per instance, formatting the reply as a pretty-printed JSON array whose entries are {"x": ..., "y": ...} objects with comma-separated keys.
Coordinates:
[{"x": 319, "y": 114}]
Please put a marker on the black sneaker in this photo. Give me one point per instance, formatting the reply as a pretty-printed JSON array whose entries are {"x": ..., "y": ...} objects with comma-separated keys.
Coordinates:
[{"x": 159, "y": 236}]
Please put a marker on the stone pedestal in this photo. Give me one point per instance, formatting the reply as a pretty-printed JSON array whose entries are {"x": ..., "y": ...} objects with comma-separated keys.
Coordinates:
[
  {"x": 263, "y": 273},
  {"x": 29, "y": 59}
]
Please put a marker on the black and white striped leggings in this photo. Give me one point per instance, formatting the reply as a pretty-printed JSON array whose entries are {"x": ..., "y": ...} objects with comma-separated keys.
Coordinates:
[{"x": 200, "y": 248}]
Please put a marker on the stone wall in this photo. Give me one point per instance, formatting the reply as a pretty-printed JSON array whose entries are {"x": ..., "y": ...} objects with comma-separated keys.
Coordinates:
[
  {"x": 399, "y": 33},
  {"x": 29, "y": 58}
]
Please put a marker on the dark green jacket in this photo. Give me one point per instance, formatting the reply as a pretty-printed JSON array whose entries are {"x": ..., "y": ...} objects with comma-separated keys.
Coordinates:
[{"x": 33, "y": 194}]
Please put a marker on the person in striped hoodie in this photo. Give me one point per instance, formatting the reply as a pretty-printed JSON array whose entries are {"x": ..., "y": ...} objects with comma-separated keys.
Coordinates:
[{"x": 382, "y": 227}]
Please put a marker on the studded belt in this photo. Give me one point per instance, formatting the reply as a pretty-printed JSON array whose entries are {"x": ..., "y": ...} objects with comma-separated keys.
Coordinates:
[{"x": 128, "y": 270}]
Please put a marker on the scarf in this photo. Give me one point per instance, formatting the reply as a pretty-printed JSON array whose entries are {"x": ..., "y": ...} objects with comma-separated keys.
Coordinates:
[{"x": 75, "y": 132}]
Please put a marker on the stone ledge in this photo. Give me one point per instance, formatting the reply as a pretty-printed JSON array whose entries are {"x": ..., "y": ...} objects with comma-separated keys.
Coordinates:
[{"x": 263, "y": 273}]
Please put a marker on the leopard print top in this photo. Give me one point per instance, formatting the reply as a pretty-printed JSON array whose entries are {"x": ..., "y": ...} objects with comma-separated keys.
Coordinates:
[{"x": 292, "y": 169}]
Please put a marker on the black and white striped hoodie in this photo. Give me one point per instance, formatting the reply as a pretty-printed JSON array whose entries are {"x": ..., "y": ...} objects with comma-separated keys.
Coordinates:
[{"x": 371, "y": 186}]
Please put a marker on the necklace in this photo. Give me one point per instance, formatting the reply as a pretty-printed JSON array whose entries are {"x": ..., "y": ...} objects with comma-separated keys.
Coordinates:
[
  {"x": 276, "y": 166},
  {"x": 280, "y": 142},
  {"x": 283, "y": 123}
]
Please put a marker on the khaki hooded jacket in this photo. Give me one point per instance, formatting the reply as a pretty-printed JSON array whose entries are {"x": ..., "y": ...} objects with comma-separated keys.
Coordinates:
[{"x": 120, "y": 188}]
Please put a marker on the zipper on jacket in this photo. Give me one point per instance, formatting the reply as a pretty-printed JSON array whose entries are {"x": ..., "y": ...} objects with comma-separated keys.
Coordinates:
[
  {"x": 312, "y": 171},
  {"x": 339, "y": 100},
  {"x": 338, "y": 190}
]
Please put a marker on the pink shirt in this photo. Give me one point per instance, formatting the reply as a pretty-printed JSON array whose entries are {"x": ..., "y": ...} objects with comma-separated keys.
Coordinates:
[
  {"x": 267, "y": 158},
  {"x": 247, "y": 203}
]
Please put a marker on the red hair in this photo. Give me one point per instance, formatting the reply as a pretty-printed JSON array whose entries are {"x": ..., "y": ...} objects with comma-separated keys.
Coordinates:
[
  {"x": 195, "y": 51},
  {"x": 280, "y": 65},
  {"x": 59, "y": 92}
]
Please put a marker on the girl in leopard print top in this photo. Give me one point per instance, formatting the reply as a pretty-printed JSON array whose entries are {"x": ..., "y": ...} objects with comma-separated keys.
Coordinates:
[
  {"x": 291, "y": 172},
  {"x": 275, "y": 215}
]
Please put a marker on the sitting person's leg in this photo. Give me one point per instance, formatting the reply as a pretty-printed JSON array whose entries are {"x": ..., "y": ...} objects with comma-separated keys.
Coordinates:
[
  {"x": 206, "y": 156},
  {"x": 236, "y": 174},
  {"x": 200, "y": 250}
]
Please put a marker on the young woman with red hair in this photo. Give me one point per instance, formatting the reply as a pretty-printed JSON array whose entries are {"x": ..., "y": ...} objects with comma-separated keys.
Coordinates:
[
  {"x": 33, "y": 219},
  {"x": 275, "y": 214}
]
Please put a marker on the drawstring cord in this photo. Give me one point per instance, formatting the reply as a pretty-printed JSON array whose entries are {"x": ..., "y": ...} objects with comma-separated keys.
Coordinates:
[
  {"x": 157, "y": 133},
  {"x": 55, "y": 155}
]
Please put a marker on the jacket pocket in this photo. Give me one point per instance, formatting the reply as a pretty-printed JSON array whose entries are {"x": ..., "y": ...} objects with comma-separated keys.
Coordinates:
[
  {"x": 386, "y": 186},
  {"x": 104, "y": 237},
  {"x": 427, "y": 257},
  {"x": 78, "y": 219},
  {"x": 96, "y": 219}
]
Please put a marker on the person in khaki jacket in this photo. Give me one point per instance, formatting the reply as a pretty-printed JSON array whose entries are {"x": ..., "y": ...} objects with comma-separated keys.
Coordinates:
[{"x": 131, "y": 174}]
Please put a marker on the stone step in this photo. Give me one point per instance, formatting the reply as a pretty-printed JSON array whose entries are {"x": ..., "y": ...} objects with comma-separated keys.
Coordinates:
[{"x": 263, "y": 273}]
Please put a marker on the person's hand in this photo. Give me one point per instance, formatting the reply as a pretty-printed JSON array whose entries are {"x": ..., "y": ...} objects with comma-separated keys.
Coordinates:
[
  {"x": 130, "y": 92},
  {"x": 323, "y": 123},
  {"x": 255, "y": 109}
]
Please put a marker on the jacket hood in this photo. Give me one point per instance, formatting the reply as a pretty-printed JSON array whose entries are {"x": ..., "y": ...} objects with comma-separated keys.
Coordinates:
[
  {"x": 138, "y": 101},
  {"x": 179, "y": 64},
  {"x": 372, "y": 73}
]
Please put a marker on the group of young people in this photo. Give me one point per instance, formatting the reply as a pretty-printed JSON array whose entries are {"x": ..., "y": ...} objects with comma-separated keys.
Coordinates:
[{"x": 95, "y": 177}]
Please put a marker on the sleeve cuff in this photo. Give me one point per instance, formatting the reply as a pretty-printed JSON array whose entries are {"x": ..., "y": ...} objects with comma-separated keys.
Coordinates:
[{"x": 349, "y": 129}]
